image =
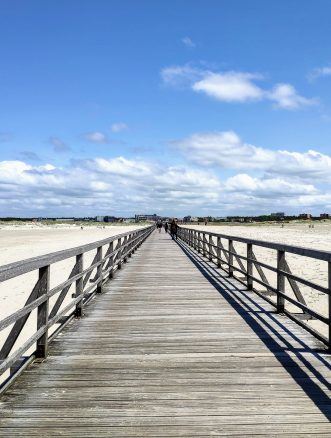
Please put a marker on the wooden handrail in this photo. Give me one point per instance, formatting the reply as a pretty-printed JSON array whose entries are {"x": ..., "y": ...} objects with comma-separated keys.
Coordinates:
[
  {"x": 300, "y": 250},
  {"x": 104, "y": 264},
  {"x": 22, "y": 267},
  {"x": 197, "y": 239}
]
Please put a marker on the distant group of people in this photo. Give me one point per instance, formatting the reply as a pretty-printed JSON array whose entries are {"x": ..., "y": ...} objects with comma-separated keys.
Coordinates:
[{"x": 172, "y": 228}]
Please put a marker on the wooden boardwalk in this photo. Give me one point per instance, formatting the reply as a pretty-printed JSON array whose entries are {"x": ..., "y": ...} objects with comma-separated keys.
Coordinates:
[{"x": 174, "y": 348}]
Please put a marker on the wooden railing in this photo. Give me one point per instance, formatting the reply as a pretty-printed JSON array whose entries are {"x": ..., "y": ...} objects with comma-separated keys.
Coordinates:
[
  {"x": 220, "y": 249},
  {"x": 109, "y": 255}
]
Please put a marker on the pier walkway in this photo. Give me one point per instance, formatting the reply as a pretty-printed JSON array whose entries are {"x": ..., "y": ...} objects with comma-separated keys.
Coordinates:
[{"x": 173, "y": 347}]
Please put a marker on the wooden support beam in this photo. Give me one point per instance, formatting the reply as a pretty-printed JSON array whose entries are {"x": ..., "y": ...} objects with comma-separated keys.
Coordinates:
[
  {"x": 230, "y": 258},
  {"x": 249, "y": 266},
  {"x": 79, "y": 286},
  {"x": 42, "y": 313},
  {"x": 62, "y": 294},
  {"x": 18, "y": 326},
  {"x": 99, "y": 270},
  {"x": 280, "y": 280}
]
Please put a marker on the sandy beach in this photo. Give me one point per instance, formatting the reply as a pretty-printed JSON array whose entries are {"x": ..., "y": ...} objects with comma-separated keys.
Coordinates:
[{"x": 295, "y": 233}]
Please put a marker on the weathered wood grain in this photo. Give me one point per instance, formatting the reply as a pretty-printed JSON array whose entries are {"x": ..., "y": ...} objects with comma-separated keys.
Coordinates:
[{"x": 174, "y": 347}]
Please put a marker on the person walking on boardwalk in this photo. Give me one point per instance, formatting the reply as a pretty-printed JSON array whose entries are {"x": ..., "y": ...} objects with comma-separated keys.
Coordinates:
[
  {"x": 166, "y": 227},
  {"x": 159, "y": 226},
  {"x": 173, "y": 229}
]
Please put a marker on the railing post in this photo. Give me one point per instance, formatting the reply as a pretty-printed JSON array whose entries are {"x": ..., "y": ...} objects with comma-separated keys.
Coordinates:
[
  {"x": 79, "y": 286},
  {"x": 204, "y": 244},
  {"x": 119, "y": 253},
  {"x": 111, "y": 261},
  {"x": 230, "y": 258},
  {"x": 249, "y": 266},
  {"x": 42, "y": 312},
  {"x": 125, "y": 241},
  {"x": 281, "y": 265},
  {"x": 218, "y": 252},
  {"x": 134, "y": 234},
  {"x": 210, "y": 247},
  {"x": 130, "y": 245},
  {"x": 99, "y": 270}
]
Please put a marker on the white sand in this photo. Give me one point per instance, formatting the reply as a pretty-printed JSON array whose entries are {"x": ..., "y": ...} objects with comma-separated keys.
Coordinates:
[
  {"x": 22, "y": 241},
  {"x": 298, "y": 234}
]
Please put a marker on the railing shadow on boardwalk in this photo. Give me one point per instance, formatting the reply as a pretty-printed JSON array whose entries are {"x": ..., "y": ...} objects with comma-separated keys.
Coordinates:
[{"x": 247, "y": 309}]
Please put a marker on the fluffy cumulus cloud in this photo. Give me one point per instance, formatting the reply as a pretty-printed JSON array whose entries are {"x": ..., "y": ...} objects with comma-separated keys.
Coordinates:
[
  {"x": 118, "y": 186},
  {"x": 261, "y": 180},
  {"x": 233, "y": 86},
  {"x": 268, "y": 187},
  {"x": 218, "y": 173},
  {"x": 285, "y": 96},
  {"x": 228, "y": 151},
  {"x": 224, "y": 149},
  {"x": 229, "y": 87}
]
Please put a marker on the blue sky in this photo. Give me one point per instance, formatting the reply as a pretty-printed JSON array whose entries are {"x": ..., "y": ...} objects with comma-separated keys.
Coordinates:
[{"x": 178, "y": 107}]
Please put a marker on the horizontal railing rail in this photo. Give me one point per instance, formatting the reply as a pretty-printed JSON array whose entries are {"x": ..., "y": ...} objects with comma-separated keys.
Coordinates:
[
  {"x": 104, "y": 264},
  {"x": 220, "y": 249}
]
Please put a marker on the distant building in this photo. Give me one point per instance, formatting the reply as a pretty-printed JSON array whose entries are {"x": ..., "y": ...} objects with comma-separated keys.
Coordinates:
[
  {"x": 279, "y": 215},
  {"x": 236, "y": 219},
  {"x": 110, "y": 219},
  {"x": 325, "y": 216},
  {"x": 190, "y": 219},
  {"x": 305, "y": 216},
  {"x": 146, "y": 217},
  {"x": 100, "y": 218}
]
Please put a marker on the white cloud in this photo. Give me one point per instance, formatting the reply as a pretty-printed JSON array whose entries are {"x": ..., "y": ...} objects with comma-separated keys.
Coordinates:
[
  {"x": 188, "y": 42},
  {"x": 260, "y": 180},
  {"x": 119, "y": 185},
  {"x": 122, "y": 166},
  {"x": 233, "y": 86},
  {"x": 125, "y": 186},
  {"x": 118, "y": 127},
  {"x": 178, "y": 75},
  {"x": 227, "y": 150},
  {"x": 229, "y": 87},
  {"x": 268, "y": 187},
  {"x": 96, "y": 137},
  {"x": 224, "y": 149},
  {"x": 286, "y": 97}
]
